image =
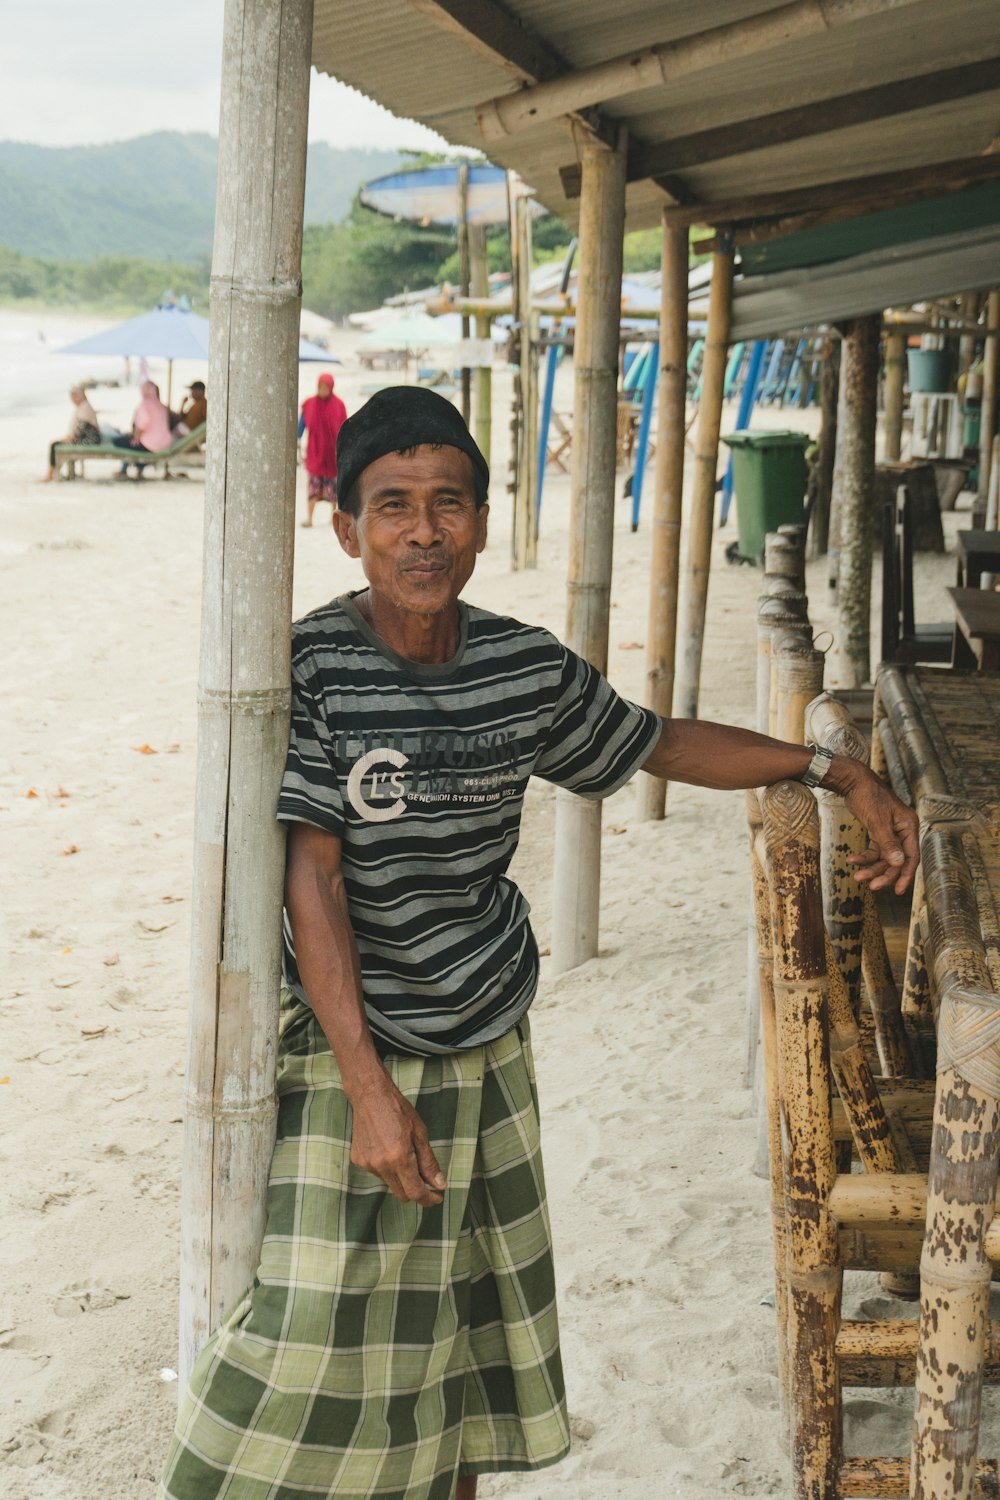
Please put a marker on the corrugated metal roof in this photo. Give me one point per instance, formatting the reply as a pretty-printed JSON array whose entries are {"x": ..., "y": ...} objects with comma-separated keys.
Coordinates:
[
  {"x": 764, "y": 306},
  {"x": 395, "y": 54}
]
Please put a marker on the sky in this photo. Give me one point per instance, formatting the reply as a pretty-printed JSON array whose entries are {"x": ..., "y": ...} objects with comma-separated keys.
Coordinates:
[{"x": 83, "y": 72}]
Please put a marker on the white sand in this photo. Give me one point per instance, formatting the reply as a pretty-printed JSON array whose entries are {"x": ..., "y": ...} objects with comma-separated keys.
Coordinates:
[{"x": 661, "y": 1231}]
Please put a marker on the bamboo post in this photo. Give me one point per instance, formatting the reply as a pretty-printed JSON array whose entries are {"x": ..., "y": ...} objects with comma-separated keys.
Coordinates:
[
  {"x": 842, "y": 836},
  {"x": 775, "y": 616},
  {"x": 525, "y": 533},
  {"x": 791, "y": 837},
  {"x": 764, "y": 957},
  {"x": 895, "y": 377},
  {"x": 988, "y": 407},
  {"x": 706, "y": 460},
  {"x": 244, "y": 669},
  {"x": 967, "y": 343},
  {"x": 464, "y": 280},
  {"x": 665, "y": 542},
  {"x": 962, "y": 1182},
  {"x": 799, "y": 637},
  {"x": 482, "y": 379},
  {"x": 800, "y": 678},
  {"x": 829, "y": 381},
  {"x": 577, "y": 872},
  {"x": 854, "y": 490},
  {"x": 785, "y": 557}
]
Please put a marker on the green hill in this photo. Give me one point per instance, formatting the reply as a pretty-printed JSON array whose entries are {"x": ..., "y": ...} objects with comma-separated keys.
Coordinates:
[{"x": 153, "y": 196}]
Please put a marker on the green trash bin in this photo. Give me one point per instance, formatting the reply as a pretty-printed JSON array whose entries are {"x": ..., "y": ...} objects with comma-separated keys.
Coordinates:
[{"x": 769, "y": 479}]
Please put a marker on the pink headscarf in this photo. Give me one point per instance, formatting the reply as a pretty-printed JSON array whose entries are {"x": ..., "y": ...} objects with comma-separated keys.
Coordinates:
[
  {"x": 151, "y": 423},
  {"x": 324, "y": 416}
]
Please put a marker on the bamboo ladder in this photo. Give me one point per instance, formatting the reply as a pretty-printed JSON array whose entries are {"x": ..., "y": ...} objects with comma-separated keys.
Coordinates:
[{"x": 824, "y": 1221}]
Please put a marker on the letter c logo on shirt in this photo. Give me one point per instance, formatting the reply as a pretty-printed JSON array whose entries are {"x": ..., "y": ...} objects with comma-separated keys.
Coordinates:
[{"x": 356, "y": 788}]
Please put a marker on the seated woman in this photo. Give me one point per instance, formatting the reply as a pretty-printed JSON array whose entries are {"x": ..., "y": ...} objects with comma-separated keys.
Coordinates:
[
  {"x": 83, "y": 428},
  {"x": 150, "y": 427}
]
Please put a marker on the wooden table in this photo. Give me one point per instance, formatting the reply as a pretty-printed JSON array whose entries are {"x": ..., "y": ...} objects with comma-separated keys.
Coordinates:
[
  {"x": 976, "y": 553},
  {"x": 977, "y": 629}
]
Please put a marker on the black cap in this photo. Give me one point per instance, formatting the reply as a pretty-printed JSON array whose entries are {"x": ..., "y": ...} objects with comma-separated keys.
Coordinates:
[{"x": 397, "y": 418}]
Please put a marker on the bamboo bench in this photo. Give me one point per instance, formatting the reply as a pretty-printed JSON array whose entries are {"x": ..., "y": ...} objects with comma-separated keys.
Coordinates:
[
  {"x": 71, "y": 455},
  {"x": 849, "y": 1070}
]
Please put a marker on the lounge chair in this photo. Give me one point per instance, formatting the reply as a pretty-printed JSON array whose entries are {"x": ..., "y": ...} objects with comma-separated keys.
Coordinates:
[{"x": 72, "y": 456}]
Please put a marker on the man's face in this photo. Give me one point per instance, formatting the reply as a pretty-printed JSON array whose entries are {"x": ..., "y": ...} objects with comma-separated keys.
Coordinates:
[{"x": 418, "y": 531}]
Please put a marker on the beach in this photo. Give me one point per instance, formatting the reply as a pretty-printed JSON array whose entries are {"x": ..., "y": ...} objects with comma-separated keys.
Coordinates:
[{"x": 662, "y": 1233}]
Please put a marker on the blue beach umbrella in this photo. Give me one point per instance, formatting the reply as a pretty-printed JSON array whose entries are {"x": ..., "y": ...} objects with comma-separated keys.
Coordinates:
[{"x": 168, "y": 332}]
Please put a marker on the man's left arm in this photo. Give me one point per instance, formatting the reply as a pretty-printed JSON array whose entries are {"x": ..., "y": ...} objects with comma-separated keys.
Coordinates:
[{"x": 730, "y": 759}]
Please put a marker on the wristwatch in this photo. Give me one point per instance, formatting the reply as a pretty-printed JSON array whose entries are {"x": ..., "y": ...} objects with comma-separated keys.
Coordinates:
[{"x": 816, "y": 771}]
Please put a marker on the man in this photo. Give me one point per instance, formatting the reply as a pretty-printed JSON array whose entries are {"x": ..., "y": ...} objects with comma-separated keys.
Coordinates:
[
  {"x": 401, "y": 1336},
  {"x": 322, "y": 416},
  {"x": 194, "y": 410}
]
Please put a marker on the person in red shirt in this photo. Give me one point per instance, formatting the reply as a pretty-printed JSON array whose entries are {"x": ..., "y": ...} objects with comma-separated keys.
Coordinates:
[{"x": 322, "y": 417}]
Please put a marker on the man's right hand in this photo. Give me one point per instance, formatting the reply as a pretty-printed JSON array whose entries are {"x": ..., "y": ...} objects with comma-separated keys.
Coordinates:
[{"x": 390, "y": 1140}]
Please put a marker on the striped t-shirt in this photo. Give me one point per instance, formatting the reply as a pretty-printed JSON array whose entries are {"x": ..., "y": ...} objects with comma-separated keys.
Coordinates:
[{"x": 421, "y": 770}]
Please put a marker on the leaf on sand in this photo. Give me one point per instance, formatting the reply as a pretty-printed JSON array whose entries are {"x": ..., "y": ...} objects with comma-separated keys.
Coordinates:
[
  {"x": 65, "y": 984},
  {"x": 622, "y": 828},
  {"x": 5, "y": 1078},
  {"x": 31, "y": 793},
  {"x": 630, "y": 645},
  {"x": 62, "y": 792},
  {"x": 92, "y": 1031},
  {"x": 67, "y": 950},
  {"x": 111, "y": 960},
  {"x": 145, "y": 749},
  {"x": 154, "y": 926},
  {"x": 70, "y": 849},
  {"x": 171, "y": 898}
]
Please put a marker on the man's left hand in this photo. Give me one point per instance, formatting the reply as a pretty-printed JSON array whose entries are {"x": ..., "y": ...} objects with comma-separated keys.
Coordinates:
[{"x": 894, "y": 835}]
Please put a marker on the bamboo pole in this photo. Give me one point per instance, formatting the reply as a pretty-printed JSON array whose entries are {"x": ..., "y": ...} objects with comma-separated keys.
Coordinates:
[
  {"x": 525, "y": 533},
  {"x": 988, "y": 407},
  {"x": 849, "y": 908},
  {"x": 785, "y": 556},
  {"x": 706, "y": 460},
  {"x": 842, "y": 836},
  {"x": 651, "y": 67},
  {"x": 482, "y": 379},
  {"x": 775, "y": 616},
  {"x": 799, "y": 637},
  {"x": 665, "y": 542},
  {"x": 883, "y": 996},
  {"x": 895, "y": 376},
  {"x": 791, "y": 836},
  {"x": 967, "y": 343},
  {"x": 244, "y": 669},
  {"x": 883, "y": 1352},
  {"x": 829, "y": 382},
  {"x": 764, "y": 956},
  {"x": 854, "y": 491},
  {"x": 577, "y": 872},
  {"x": 962, "y": 1181},
  {"x": 867, "y": 1118},
  {"x": 464, "y": 279},
  {"x": 800, "y": 679},
  {"x": 889, "y": 1479}
]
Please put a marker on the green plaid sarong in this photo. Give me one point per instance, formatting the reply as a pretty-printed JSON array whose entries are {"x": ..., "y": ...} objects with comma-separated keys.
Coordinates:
[{"x": 385, "y": 1348}]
